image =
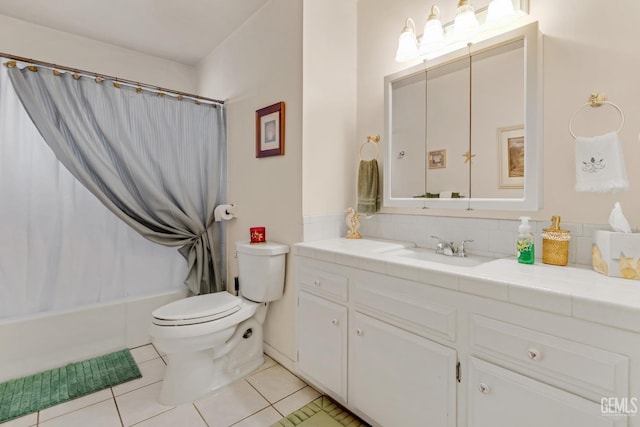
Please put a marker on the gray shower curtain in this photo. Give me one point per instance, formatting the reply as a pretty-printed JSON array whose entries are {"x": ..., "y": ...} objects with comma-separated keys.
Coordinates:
[{"x": 158, "y": 163}]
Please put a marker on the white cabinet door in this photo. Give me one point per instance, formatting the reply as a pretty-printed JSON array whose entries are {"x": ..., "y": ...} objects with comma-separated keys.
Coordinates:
[
  {"x": 322, "y": 343},
  {"x": 398, "y": 378},
  {"x": 501, "y": 398}
]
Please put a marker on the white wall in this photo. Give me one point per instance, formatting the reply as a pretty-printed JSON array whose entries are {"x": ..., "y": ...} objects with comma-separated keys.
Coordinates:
[
  {"x": 258, "y": 65},
  {"x": 584, "y": 51},
  {"x": 40, "y": 43}
]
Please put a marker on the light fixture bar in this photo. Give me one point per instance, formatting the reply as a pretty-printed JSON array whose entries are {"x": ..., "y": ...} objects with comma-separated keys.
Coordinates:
[{"x": 491, "y": 20}]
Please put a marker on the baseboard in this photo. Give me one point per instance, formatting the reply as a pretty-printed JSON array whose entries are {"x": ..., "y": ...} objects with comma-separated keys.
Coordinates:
[{"x": 279, "y": 357}]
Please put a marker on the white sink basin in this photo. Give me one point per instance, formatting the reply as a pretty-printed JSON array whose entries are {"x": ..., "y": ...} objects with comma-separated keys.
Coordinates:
[{"x": 430, "y": 255}]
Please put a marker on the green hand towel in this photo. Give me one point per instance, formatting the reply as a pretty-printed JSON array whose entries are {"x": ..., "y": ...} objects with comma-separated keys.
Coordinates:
[{"x": 368, "y": 187}]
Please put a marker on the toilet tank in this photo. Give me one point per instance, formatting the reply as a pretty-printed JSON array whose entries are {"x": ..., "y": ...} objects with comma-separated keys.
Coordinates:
[{"x": 261, "y": 270}]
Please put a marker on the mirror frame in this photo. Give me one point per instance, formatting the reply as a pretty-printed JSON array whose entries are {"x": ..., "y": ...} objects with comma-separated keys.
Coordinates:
[{"x": 533, "y": 182}]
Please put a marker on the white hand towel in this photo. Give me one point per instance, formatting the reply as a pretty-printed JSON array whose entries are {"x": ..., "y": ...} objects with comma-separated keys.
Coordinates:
[{"x": 600, "y": 164}]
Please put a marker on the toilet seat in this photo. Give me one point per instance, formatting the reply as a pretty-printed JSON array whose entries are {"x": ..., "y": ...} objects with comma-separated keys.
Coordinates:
[{"x": 197, "y": 309}]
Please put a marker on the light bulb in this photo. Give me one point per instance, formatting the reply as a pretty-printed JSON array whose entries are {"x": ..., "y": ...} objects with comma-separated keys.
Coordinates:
[
  {"x": 500, "y": 11},
  {"x": 407, "y": 42},
  {"x": 466, "y": 20},
  {"x": 433, "y": 34}
]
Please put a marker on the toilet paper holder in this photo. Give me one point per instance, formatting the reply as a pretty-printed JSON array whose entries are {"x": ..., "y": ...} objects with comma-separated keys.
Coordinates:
[{"x": 224, "y": 212}]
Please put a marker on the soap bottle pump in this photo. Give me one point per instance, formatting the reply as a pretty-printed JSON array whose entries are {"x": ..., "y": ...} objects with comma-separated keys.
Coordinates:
[{"x": 525, "y": 242}]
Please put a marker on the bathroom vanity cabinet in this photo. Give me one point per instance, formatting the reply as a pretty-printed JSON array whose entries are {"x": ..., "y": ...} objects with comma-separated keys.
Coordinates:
[
  {"x": 399, "y": 344},
  {"x": 322, "y": 341},
  {"x": 377, "y": 352}
]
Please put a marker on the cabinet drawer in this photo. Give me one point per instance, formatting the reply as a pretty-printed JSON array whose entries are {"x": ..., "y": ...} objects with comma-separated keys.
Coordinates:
[
  {"x": 498, "y": 397},
  {"x": 415, "y": 306},
  {"x": 594, "y": 371},
  {"x": 321, "y": 278}
]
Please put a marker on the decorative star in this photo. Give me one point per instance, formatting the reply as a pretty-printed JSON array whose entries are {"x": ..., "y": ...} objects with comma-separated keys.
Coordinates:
[{"x": 467, "y": 156}]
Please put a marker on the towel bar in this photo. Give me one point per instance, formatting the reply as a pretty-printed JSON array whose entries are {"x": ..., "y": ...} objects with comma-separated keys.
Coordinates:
[
  {"x": 596, "y": 100},
  {"x": 371, "y": 139}
]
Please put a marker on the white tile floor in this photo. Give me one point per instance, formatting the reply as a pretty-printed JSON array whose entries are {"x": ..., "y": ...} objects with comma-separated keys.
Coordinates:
[{"x": 259, "y": 400}]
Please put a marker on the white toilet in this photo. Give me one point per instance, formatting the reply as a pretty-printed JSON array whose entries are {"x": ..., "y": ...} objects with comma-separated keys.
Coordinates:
[{"x": 211, "y": 340}]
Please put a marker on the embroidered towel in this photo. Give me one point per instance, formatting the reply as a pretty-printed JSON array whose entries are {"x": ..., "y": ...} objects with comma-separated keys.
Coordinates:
[
  {"x": 600, "y": 164},
  {"x": 368, "y": 187}
]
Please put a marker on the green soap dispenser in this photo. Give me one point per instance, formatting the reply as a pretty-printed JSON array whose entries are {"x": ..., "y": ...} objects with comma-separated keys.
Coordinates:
[{"x": 525, "y": 242}]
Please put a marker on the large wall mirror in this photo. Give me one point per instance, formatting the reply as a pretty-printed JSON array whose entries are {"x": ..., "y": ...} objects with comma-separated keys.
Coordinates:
[{"x": 463, "y": 130}]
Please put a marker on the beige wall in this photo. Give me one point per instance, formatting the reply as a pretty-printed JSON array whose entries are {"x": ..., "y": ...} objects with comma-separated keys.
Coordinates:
[
  {"x": 258, "y": 65},
  {"x": 329, "y": 106},
  {"x": 584, "y": 51},
  {"x": 40, "y": 43},
  {"x": 324, "y": 89}
]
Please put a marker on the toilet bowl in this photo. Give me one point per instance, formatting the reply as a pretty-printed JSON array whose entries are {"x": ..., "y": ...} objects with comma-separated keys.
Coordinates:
[{"x": 211, "y": 340}]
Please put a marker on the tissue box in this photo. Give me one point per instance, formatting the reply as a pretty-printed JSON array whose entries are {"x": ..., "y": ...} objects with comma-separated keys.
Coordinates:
[{"x": 616, "y": 254}]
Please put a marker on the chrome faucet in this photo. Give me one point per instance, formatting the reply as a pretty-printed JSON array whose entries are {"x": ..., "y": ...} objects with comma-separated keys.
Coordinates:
[
  {"x": 460, "y": 249},
  {"x": 443, "y": 247},
  {"x": 449, "y": 248}
]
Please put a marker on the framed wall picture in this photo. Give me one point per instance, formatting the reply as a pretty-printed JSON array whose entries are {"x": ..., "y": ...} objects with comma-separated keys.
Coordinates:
[
  {"x": 511, "y": 151},
  {"x": 270, "y": 130},
  {"x": 437, "y": 159}
]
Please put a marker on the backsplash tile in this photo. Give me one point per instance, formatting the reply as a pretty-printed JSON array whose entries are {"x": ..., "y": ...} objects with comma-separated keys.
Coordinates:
[
  {"x": 320, "y": 227},
  {"x": 491, "y": 237}
]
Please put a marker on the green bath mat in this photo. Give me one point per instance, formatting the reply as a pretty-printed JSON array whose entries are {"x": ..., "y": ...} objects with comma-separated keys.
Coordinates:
[
  {"x": 322, "y": 412},
  {"x": 30, "y": 394}
]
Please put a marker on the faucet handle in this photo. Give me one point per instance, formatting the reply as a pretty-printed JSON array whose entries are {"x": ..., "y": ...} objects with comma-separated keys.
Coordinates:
[
  {"x": 440, "y": 245},
  {"x": 460, "y": 249},
  {"x": 443, "y": 247}
]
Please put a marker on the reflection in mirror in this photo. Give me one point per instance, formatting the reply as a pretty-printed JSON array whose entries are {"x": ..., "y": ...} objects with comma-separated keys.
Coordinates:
[
  {"x": 448, "y": 130},
  {"x": 497, "y": 109},
  {"x": 480, "y": 103},
  {"x": 407, "y": 114}
]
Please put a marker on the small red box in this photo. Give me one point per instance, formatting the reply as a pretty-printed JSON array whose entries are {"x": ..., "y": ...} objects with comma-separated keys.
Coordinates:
[{"x": 258, "y": 235}]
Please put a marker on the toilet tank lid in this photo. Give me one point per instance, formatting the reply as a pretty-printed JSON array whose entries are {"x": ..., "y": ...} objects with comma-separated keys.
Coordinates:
[{"x": 266, "y": 249}]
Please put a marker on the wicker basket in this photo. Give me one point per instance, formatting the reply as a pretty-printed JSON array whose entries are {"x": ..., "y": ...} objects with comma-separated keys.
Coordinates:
[{"x": 555, "y": 244}]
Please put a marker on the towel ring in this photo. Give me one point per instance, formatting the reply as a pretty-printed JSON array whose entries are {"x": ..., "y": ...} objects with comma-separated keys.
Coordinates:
[
  {"x": 596, "y": 100},
  {"x": 373, "y": 140}
]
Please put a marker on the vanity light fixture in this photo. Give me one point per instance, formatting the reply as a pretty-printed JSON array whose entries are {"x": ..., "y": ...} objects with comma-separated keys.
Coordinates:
[
  {"x": 407, "y": 42},
  {"x": 433, "y": 35},
  {"x": 500, "y": 11},
  {"x": 465, "y": 21},
  {"x": 439, "y": 38}
]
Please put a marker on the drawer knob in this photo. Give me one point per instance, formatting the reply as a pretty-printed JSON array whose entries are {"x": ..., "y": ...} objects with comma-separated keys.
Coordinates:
[
  {"x": 316, "y": 282},
  {"x": 335, "y": 322},
  {"x": 483, "y": 388},
  {"x": 534, "y": 354},
  {"x": 359, "y": 332}
]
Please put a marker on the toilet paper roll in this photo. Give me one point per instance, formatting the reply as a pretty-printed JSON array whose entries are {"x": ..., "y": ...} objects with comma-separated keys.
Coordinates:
[{"x": 224, "y": 212}]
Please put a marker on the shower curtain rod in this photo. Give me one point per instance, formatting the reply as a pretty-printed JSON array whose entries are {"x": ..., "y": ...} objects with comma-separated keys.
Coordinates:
[{"x": 107, "y": 77}]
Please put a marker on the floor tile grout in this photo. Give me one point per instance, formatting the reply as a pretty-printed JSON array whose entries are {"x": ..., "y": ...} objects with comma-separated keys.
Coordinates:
[
  {"x": 200, "y": 414},
  {"x": 115, "y": 402}
]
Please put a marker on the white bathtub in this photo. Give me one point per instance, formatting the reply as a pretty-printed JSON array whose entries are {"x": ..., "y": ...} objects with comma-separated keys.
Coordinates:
[{"x": 42, "y": 341}]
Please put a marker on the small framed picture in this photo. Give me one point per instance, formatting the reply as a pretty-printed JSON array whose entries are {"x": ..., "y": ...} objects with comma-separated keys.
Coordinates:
[
  {"x": 511, "y": 151},
  {"x": 437, "y": 159},
  {"x": 270, "y": 130}
]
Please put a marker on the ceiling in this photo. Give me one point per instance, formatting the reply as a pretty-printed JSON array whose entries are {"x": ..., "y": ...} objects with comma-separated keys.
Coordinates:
[{"x": 180, "y": 30}]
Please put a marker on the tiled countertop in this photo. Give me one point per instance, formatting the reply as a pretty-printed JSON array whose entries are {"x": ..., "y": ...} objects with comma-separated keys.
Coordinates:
[{"x": 575, "y": 291}]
